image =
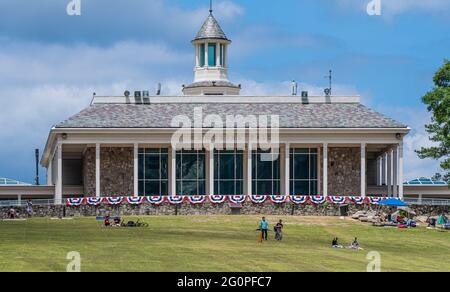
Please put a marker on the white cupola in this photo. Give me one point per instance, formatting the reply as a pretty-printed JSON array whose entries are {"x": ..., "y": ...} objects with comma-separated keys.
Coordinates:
[{"x": 211, "y": 62}]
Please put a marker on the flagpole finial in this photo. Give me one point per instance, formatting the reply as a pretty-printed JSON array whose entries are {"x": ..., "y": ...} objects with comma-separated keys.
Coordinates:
[{"x": 210, "y": 6}]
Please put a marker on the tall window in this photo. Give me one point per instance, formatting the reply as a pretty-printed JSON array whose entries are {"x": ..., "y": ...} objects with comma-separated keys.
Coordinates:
[
  {"x": 228, "y": 172},
  {"x": 303, "y": 171},
  {"x": 212, "y": 55},
  {"x": 266, "y": 173},
  {"x": 202, "y": 55},
  {"x": 190, "y": 172},
  {"x": 153, "y": 178}
]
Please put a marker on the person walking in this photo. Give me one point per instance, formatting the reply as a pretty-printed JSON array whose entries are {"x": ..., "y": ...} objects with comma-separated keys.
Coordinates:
[{"x": 279, "y": 230}]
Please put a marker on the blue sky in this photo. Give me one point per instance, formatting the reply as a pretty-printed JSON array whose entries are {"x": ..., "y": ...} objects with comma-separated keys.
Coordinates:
[{"x": 51, "y": 63}]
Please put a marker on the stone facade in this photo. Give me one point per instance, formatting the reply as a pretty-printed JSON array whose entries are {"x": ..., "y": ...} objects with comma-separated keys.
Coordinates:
[
  {"x": 344, "y": 171},
  {"x": 116, "y": 171},
  {"x": 247, "y": 208}
]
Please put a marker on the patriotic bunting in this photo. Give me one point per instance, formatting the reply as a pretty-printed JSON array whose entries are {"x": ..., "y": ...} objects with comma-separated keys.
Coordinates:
[
  {"x": 318, "y": 199},
  {"x": 237, "y": 199},
  {"x": 94, "y": 201},
  {"x": 299, "y": 199},
  {"x": 220, "y": 199},
  {"x": 175, "y": 200},
  {"x": 258, "y": 199},
  {"x": 135, "y": 200},
  {"x": 114, "y": 200},
  {"x": 196, "y": 199},
  {"x": 75, "y": 202},
  {"x": 156, "y": 200},
  {"x": 374, "y": 200},
  {"x": 337, "y": 199},
  {"x": 277, "y": 199},
  {"x": 358, "y": 200},
  {"x": 217, "y": 199}
]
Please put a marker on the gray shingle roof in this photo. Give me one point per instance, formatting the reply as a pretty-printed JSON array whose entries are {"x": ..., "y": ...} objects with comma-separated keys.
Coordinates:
[
  {"x": 211, "y": 30},
  {"x": 159, "y": 115}
]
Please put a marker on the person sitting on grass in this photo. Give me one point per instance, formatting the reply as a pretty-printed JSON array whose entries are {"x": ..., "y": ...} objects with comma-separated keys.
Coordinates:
[
  {"x": 106, "y": 222},
  {"x": 334, "y": 243},
  {"x": 116, "y": 222},
  {"x": 279, "y": 231},
  {"x": 355, "y": 243},
  {"x": 12, "y": 213},
  {"x": 264, "y": 225}
]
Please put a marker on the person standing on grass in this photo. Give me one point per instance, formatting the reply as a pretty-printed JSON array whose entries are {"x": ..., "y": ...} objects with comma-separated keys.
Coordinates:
[
  {"x": 264, "y": 225},
  {"x": 30, "y": 208},
  {"x": 279, "y": 230}
]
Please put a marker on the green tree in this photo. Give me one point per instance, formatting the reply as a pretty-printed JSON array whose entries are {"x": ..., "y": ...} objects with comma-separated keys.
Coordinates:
[{"x": 438, "y": 104}]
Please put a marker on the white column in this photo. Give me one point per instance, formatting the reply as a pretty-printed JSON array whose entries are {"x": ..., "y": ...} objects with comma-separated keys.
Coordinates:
[
  {"x": 172, "y": 171},
  {"x": 136, "y": 168},
  {"x": 206, "y": 55},
  {"x": 325, "y": 169},
  {"x": 363, "y": 169},
  {"x": 210, "y": 170},
  {"x": 400, "y": 171},
  {"x": 49, "y": 172},
  {"x": 249, "y": 169},
  {"x": 97, "y": 170},
  {"x": 287, "y": 169},
  {"x": 197, "y": 55},
  {"x": 59, "y": 184},
  {"x": 389, "y": 173},
  {"x": 383, "y": 169},
  {"x": 319, "y": 170},
  {"x": 217, "y": 54},
  {"x": 395, "y": 172},
  {"x": 19, "y": 200},
  {"x": 378, "y": 171}
]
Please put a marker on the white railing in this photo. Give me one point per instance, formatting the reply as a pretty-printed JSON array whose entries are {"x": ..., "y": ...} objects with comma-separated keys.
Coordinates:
[
  {"x": 427, "y": 202},
  {"x": 23, "y": 203}
]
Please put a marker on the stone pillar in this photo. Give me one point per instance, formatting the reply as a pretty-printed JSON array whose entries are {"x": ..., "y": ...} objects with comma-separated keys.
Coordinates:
[
  {"x": 287, "y": 173},
  {"x": 389, "y": 173},
  {"x": 363, "y": 169},
  {"x": 249, "y": 169},
  {"x": 97, "y": 170},
  {"x": 59, "y": 182},
  {"x": 136, "y": 168},
  {"x": 172, "y": 171},
  {"x": 400, "y": 171},
  {"x": 395, "y": 172},
  {"x": 325, "y": 169}
]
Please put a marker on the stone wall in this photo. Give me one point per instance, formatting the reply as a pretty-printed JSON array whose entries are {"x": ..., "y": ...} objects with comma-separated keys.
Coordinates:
[
  {"x": 344, "y": 171},
  {"x": 116, "y": 171},
  {"x": 247, "y": 208}
]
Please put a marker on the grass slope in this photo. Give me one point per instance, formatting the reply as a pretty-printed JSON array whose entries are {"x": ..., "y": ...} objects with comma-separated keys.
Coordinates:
[{"x": 217, "y": 243}]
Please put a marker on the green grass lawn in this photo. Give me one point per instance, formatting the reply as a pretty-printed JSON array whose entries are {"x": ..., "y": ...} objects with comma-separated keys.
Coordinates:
[{"x": 217, "y": 243}]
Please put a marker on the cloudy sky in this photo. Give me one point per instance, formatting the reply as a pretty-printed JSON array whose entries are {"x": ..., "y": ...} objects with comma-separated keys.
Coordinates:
[{"x": 51, "y": 63}]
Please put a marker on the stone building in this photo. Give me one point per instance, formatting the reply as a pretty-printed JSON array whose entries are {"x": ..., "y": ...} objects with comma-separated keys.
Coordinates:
[{"x": 327, "y": 145}]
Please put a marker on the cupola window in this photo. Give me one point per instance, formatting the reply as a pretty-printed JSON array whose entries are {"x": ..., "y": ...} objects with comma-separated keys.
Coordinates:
[
  {"x": 202, "y": 55},
  {"x": 212, "y": 55}
]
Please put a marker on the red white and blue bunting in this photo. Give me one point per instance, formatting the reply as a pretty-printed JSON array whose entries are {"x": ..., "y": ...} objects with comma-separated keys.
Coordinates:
[
  {"x": 194, "y": 200},
  {"x": 220, "y": 199},
  {"x": 217, "y": 199},
  {"x": 94, "y": 201},
  {"x": 316, "y": 200},
  {"x": 175, "y": 200},
  {"x": 114, "y": 200},
  {"x": 374, "y": 200},
  {"x": 257, "y": 199},
  {"x": 278, "y": 199},
  {"x": 338, "y": 200},
  {"x": 296, "y": 199},
  {"x": 358, "y": 200},
  {"x": 237, "y": 199},
  {"x": 156, "y": 200},
  {"x": 135, "y": 200},
  {"x": 75, "y": 202}
]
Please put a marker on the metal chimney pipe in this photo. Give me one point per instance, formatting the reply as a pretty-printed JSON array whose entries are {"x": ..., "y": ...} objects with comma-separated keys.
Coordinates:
[{"x": 36, "y": 152}]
